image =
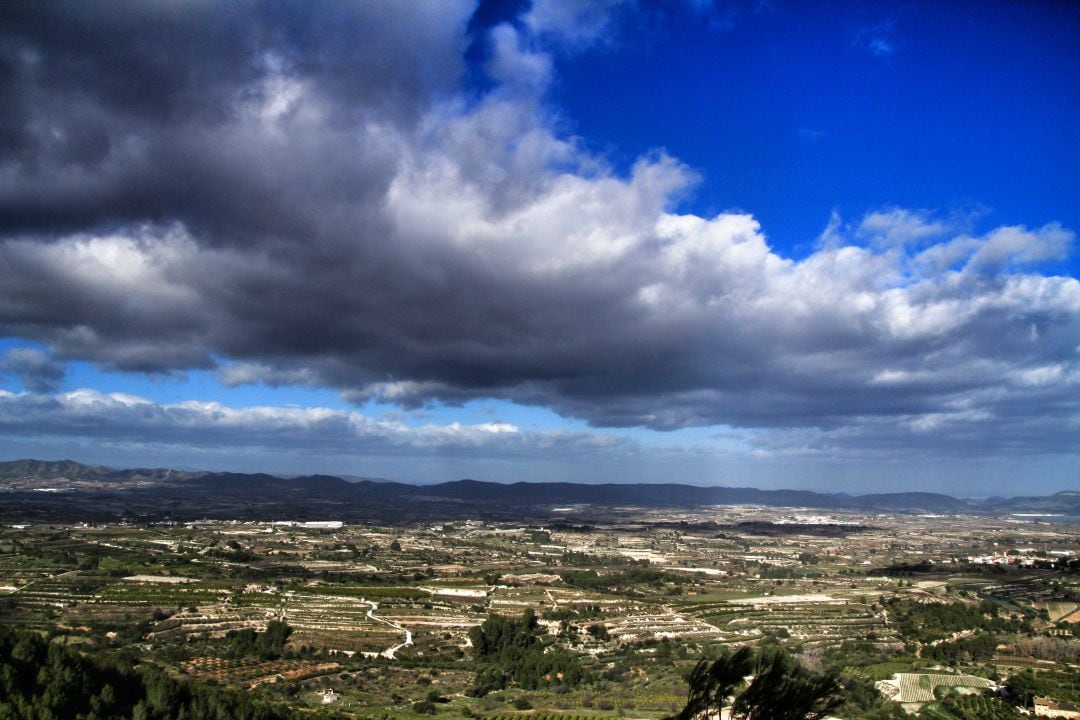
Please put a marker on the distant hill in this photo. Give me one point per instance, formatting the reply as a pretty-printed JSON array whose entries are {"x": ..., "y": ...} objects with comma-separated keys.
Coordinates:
[
  {"x": 51, "y": 469},
  {"x": 191, "y": 493},
  {"x": 1066, "y": 502}
]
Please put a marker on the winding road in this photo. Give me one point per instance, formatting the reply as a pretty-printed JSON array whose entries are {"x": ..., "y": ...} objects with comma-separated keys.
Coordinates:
[{"x": 389, "y": 652}]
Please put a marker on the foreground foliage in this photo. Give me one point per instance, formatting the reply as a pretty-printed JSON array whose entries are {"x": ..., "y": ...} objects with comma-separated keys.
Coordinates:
[
  {"x": 46, "y": 681},
  {"x": 781, "y": 689}
]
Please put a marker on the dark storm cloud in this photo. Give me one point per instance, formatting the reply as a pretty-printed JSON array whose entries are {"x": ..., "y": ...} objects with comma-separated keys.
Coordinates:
[
  {"x": 117, "y": 112},
  {"x": 301, "y": 191}
]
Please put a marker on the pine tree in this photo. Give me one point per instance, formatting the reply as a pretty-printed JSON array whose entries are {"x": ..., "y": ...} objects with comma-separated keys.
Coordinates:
[{"x": 781, "y": 688}]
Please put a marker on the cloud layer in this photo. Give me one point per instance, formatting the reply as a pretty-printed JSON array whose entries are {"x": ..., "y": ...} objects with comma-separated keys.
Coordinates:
[
  {"x": 312, "y": 195},
  {"x": 119, "y": 417}
]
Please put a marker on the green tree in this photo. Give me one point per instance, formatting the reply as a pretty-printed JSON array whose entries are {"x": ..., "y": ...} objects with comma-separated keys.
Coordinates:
[
  {"x": 511, "y": 652},
  {"x": 710, "y": 683},
  {"x": 781, "y": 688},
  {"x": 1025, "y": 686}
]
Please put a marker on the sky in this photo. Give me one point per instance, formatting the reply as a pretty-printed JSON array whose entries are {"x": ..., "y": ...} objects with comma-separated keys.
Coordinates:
[{"x": 778, "y": 244}]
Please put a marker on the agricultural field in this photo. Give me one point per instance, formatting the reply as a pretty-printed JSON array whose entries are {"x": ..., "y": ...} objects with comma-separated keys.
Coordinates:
[
  {"x": 373, "y": 621},
  {"x": 920, "y": 687}
]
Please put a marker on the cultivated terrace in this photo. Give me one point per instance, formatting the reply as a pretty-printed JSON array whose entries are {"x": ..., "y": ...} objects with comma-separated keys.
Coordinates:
[{"x": 593, "y": 613}]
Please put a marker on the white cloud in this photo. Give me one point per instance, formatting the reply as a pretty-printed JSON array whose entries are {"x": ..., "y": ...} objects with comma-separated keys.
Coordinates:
[
  {"x": 141, "y": 260},
  {"x": 881, "y": 47},
  {"x": 1016, "y": 246},
  {"x": 898, "y": 227},
  {"x": 573, "y": 23},
  {"x": 517, "y": 68},
  {"x": 878, "y": 39}
]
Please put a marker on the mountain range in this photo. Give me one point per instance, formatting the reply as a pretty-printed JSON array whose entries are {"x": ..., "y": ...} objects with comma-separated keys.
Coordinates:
[{"x": 38, "y": 487}]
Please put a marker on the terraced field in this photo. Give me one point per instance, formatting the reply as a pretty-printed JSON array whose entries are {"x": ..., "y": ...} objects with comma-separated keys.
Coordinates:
[
  {"x": 213, "y": 623},
  {"x": 919, "y": 687},
  {"x": 654, "y": 623},
  {"x": 814, "y": 623},
  {"x": 239, "y": 670}
]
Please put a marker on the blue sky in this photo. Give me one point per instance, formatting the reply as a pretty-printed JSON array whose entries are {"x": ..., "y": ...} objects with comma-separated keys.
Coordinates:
[
  {"x": 791, "y": 111},
  {"x": 814, "y": 245}
]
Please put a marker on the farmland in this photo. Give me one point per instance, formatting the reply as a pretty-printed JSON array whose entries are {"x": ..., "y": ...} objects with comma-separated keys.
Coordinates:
[{"x": 378, "y": 620}]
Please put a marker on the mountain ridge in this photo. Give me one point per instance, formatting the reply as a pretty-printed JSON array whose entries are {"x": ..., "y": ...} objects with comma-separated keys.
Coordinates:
[{"x": 68, "y": 476}]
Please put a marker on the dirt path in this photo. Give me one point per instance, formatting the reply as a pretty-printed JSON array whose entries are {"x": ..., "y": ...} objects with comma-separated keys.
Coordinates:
[{"x": 390, "y": 652}]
